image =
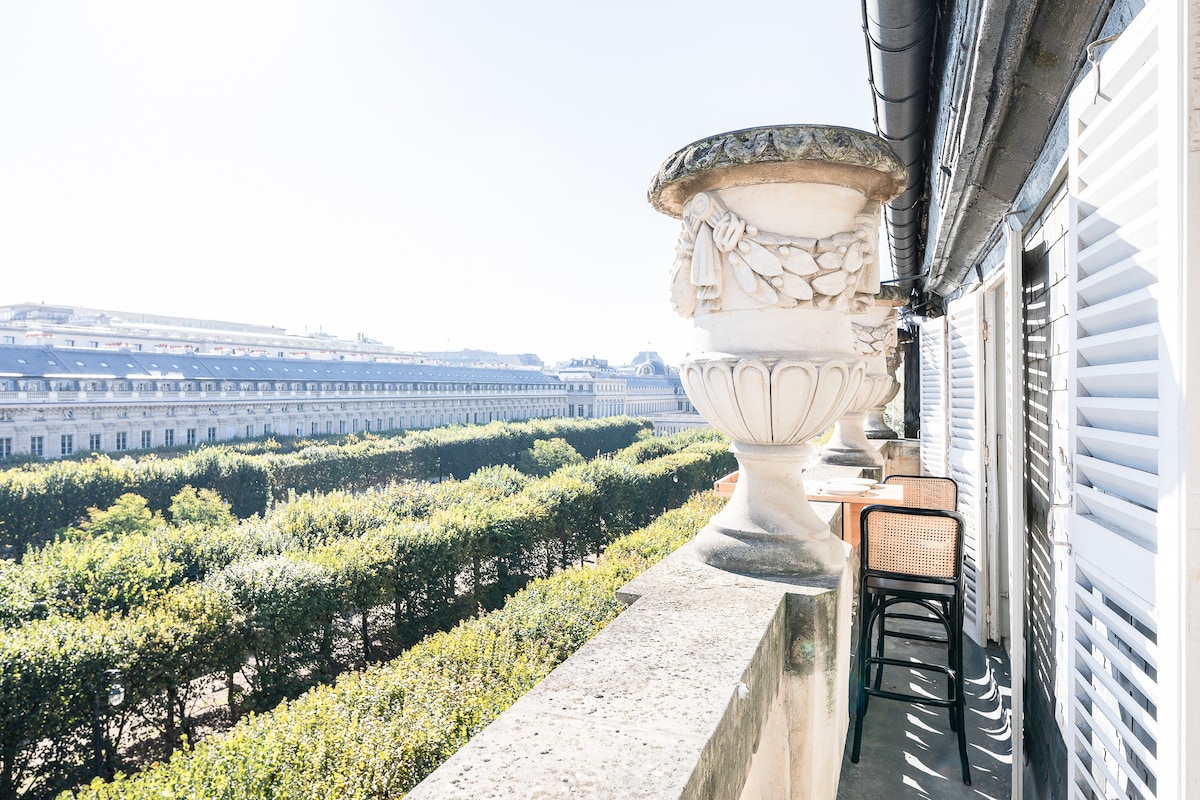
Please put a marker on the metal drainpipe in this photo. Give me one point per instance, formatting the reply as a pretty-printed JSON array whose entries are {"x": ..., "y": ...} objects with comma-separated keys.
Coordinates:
[
  {"x": 912, "y": 385},
  {"x": 900, "y": 38}
]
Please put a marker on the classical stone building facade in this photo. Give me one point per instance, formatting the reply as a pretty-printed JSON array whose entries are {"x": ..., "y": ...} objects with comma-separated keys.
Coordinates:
[
  {"x": 646, "y": 388},
  {"x": 56, "y": 402},
  {"x": 39, "y": 324}
]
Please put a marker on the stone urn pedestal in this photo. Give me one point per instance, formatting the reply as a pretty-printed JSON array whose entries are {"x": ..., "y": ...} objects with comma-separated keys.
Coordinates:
[
  {"x": 874, "y": 338},
  {"x": 777, "y": 250},
  {"x": 848, "y": 445},
  {"x": 876, "y": 426}
]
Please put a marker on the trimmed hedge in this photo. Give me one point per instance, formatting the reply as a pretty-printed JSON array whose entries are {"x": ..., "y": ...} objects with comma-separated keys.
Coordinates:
[
  {"x": 39, "y": 500},
  {"x": 55, "y": 676},
  {"x": 377, "y": 733},
  {"x": 85, "y": 573},
  {"x": 300, "y": 603}
]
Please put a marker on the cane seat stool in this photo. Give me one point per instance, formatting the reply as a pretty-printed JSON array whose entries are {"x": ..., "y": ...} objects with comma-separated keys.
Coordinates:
[
  {"x": 912, "y": 556},
  {"x": 920, "y": 491}
]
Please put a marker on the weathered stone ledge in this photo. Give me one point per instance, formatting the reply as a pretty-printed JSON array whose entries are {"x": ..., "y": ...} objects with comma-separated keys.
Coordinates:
[{"x": 675, "y": 697}]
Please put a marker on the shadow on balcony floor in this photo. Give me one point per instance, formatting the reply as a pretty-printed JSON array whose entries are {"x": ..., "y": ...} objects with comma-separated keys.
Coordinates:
[{"x": 909, "y": 751}]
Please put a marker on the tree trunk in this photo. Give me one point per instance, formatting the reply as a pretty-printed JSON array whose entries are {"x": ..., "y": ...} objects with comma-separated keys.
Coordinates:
[
  {"x": 366, "y": 635},
  {"x": 476, "y": 573},
  {"x": 97, "y": 739},
  {"x": 172, "y": 730},
  {"x": 7, "y": 788},
  {"x": 231, "y": 696},
  {"x": 326, "y": 649}
]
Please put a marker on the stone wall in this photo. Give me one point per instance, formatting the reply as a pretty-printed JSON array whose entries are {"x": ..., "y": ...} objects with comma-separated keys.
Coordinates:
[{"x": 710, "y": 685}]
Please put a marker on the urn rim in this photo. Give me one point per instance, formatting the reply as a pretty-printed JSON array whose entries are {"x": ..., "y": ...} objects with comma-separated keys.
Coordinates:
[{"x": 779, "y": 154}]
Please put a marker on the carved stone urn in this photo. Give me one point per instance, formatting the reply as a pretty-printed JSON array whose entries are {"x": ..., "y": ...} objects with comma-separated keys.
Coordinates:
[
  {"x": 874, "y": 335},
  {"x": 777, "y": 250},
  {"x": 876, "y": 426},
  {"x": 890, "y": 297}
]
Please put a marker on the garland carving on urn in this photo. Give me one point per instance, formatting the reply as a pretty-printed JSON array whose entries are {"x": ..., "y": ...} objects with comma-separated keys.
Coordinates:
[
  {"x": 832, "y": 272},
  {"x": 877, "y": 340},
  {"x": 893, "y": 361}
]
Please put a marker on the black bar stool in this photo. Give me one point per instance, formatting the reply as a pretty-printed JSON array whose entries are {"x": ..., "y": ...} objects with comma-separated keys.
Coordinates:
[
  {"x": 920, "y": 491},
  {"x": 911, "y": 555}
]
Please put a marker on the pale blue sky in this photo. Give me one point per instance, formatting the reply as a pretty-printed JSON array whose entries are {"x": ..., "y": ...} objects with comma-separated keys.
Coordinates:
[{"x": 435, "y": 174}]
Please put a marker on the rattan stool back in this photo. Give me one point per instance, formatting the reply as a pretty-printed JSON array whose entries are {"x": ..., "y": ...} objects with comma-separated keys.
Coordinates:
[{"x": 926, "y": 491}]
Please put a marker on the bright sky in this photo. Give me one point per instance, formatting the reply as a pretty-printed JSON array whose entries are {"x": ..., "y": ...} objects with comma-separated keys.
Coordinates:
[{"x": 437, "y": 175}]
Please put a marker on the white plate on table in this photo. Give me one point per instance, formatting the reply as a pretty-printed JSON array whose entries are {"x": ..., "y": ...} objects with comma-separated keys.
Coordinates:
[
  {"x": 843, "y": 490},
  {"x": 864, "y": 482}
]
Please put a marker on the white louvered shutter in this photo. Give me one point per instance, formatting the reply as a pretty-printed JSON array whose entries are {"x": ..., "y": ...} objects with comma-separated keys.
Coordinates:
[
  {"x": 1113, "y": 697},
  {"x": 964, "y": 326},
  {"x": 932, "y": 340}
]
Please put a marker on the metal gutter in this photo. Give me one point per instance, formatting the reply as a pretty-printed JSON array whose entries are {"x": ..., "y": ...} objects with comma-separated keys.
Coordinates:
[
  {"x": 972, "y": 149},
  {"x": 970, "y": 129},
  {"x": 900, "y": 38}
]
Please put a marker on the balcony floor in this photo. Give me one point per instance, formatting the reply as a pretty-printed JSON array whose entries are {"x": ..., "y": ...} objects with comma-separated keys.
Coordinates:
[{"x": 909, "y": 751}]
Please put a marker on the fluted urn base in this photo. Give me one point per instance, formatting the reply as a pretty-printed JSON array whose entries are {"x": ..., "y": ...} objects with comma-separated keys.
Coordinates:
[
  {"x": 848, "y": 446},
  {"x": 876, "y": 427},
  {"x": 768, "y": 527}
]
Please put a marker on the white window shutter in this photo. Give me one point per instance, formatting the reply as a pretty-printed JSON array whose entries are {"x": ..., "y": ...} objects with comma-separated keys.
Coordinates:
[
  {"x": 934, "y": 438},
  {"x": 965, "y": 435},
  {"x": 1113, "y": 694}
]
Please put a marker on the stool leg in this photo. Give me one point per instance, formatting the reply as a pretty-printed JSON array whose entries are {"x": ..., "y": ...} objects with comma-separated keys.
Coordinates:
[
  {"x": 874, "y": 615},
  {"x": 952, "y": 647},
  {"x": 879, "y": 644},
  {"x": 960, "y": 704},
  {"x": 864, "y": 638},
  {"x": 953, "y": 681}
]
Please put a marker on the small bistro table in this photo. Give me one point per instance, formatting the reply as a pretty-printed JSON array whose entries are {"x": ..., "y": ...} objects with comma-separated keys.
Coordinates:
[{"x": 852, "y": 505}]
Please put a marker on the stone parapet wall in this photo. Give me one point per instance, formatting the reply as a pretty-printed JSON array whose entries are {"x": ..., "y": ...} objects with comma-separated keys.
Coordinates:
[
  {"x": 710, "y": 685},
  {"x": 901, "y": 457}
]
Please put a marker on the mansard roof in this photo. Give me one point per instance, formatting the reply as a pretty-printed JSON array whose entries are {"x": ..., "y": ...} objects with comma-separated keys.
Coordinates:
[
  {"x": 54, "y": 362},
  {"x": 651, "y": 380}
]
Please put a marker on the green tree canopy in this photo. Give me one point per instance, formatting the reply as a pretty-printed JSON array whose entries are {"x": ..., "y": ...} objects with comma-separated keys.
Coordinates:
[
  {"x": 547, "y": 455},
  {"x": 203, "y": 507},
  {"x": 129, "y": 514}
]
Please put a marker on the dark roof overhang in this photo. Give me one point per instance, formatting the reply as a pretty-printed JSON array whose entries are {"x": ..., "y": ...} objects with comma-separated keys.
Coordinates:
[{"x": 968, "y": 96}]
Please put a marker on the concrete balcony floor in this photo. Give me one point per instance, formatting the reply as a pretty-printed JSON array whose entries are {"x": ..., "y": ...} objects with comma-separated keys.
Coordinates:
[{"x": 909, "y": 751}]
